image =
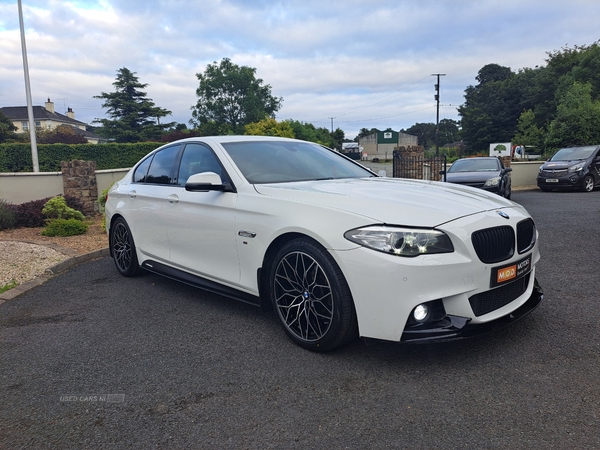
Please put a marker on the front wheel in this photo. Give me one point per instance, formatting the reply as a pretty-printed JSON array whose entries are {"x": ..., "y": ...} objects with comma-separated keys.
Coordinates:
[
  {"x": 311, "y": 296},
  {"x": 587, "y": 184},
  {"x": 123, "y": 249}
]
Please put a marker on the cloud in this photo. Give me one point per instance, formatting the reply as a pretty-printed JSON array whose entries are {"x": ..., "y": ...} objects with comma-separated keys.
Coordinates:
[{"x": 365, "y": 63}]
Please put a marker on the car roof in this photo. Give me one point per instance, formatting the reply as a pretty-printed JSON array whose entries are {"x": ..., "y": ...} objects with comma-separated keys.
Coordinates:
[
  {"x": 478, "y": 157},
  {"x": 235, "y": 138}
]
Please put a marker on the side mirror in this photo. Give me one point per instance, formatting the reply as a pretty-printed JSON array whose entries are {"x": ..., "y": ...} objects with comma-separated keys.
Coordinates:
[
  {"x": 207, "y": 181},
  {"x": 508, "y": 169},
  {"x": 442, "y": 172}
]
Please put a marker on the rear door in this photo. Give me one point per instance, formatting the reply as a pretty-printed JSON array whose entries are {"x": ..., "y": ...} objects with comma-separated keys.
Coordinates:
[{"x": 149, "y": 195}]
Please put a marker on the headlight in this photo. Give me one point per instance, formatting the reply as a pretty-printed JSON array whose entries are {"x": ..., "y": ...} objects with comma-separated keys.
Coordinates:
[
  {"x": 401, "y": 241},
  {"x": 577, "y": 167},
  {"x": 493, "y": 182}
]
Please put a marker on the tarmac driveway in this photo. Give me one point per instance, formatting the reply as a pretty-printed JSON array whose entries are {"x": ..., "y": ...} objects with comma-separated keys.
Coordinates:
[{"x": 93, "y": 360}]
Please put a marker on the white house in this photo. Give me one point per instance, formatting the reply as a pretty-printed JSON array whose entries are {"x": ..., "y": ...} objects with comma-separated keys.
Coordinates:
[{"x": 46, "y": 118}]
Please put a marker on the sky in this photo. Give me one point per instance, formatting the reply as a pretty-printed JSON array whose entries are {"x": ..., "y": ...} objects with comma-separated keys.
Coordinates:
[{"x": 351, "y": 63}]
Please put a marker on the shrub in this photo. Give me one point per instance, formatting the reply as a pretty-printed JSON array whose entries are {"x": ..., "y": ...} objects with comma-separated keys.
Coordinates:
[
  {"x": 8, "y": 216},
  {"x": 64, "y": 227},
  {"x": 56, "y": 208},
  {"x": 102, "y": 198},
  {"x": 102, "y": 205},
  {"x": 29, "y": 214}
]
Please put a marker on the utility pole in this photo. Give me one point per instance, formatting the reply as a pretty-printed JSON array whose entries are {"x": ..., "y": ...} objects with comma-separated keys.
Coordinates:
[
  {"x": 34, "y": 152},
  {"x": 437, "y": 115},
  {"x": 332, "y": 124}
]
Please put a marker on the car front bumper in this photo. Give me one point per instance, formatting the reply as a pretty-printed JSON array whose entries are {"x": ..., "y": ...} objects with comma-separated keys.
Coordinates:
[
  {"x": 457, "y": 327},
  {"x": 569, "y": 181}
]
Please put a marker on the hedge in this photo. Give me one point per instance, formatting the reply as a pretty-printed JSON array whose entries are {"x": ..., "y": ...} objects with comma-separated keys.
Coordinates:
[{"x": 17, "y": 157}]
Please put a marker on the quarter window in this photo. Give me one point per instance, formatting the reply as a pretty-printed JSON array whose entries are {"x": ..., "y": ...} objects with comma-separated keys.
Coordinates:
[{"x": 139, "y": 176}]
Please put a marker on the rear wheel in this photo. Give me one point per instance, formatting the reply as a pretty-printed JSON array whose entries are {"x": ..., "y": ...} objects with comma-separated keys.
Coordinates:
[
  {"x": 123, "y": 248},
  {"x": 311, "y": 296},
  {"x": 587, "y": 185}
]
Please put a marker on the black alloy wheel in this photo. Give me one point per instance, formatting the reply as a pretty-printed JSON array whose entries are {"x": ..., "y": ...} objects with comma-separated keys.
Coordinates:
[
  {"x": 123, "y": 248},
  {"x": 311, "y": 296}
]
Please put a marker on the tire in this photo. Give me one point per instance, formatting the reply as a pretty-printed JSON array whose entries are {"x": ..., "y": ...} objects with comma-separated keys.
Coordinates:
[
  {"x": 311, "y": 297},
  {"x": 123, "y": 249},
  {"x": 587, "y": 184}
]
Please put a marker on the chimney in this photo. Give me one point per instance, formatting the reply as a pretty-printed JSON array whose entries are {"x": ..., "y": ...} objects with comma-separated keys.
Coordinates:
[
  {"x": 70, "y": 113},
  {"x": 50, "y": 106}
]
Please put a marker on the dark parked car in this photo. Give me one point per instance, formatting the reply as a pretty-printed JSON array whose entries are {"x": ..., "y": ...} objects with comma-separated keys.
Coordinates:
[
  {"x": 572, "y": 167},
  {"x": 486, "y": 173}
]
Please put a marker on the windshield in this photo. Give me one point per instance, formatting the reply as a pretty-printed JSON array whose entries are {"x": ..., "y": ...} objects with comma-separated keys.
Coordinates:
[
  {"x": 286, "y": 161},
  {"x": 475, "y": 165},
  {"x": 573, "y": 153}
]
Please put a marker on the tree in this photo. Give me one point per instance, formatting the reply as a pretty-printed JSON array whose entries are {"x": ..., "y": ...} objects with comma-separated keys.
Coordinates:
[
  {"x": 308, "y": 132},
  {"x": 528, "y": 133},
  {"x": 491, "y": 108},
  {"x": 62, "y": 134},
  {"x": 425, "y": 133},
  {"x": 7, "y": 129},
  {"x": 231, "y": 95},
  {"x": 577, "y": 118},
  {"x": 493, "y": 72},
  {"x": 338, "y": 137},
  {"x": 270, "y": 127},
  {"x": 364, "y": 132},
  {"x": 449, "y": 132},
  {"x": 134, "y": 116}
]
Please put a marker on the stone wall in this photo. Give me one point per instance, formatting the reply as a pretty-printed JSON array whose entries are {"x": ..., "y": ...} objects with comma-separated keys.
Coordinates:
[{"x": 79, "y": 180}]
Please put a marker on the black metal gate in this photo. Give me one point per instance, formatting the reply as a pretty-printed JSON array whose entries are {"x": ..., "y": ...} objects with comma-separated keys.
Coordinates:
[{"x": 417, "y": 167}]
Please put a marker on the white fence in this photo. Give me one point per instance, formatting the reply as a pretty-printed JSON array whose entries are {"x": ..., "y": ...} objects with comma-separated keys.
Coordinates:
[{"x": 25, "y": 186}]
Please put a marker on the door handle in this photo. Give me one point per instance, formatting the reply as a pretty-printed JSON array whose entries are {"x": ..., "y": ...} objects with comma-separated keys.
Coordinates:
[
  {"x": 132, "y": 194},
  {"x": 172, "y": 198}
]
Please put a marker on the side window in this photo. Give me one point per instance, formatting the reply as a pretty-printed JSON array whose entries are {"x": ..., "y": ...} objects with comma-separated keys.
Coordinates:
[
  {"x": 139, "y": 176},
  {"x": 197, "y": 158},
  {"x": 161, "y": 168}
]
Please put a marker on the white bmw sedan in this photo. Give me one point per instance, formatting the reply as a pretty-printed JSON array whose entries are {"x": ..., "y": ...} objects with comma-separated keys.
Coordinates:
[{"x": 335, "y": 250}]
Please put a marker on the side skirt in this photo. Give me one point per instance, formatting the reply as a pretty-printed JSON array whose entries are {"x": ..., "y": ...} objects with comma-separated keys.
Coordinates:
[{"x": 199, "y": 282}]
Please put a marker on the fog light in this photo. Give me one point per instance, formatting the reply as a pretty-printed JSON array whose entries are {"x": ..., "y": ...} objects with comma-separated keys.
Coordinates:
[{"x": 421, "y": 312}]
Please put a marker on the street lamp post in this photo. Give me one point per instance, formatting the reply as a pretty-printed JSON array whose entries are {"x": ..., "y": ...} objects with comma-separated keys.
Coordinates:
[{"x": 34, "y": 153}]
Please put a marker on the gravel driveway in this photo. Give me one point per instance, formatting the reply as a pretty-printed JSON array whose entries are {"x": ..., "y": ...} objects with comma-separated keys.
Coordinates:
[{"x": 94, "y": 360}]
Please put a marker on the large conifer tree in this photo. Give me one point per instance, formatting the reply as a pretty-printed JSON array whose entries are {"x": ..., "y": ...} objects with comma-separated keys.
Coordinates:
[{"x": 133, "y": 116}]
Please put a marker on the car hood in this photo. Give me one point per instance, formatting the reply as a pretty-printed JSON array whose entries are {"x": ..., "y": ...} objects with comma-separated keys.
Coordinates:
[
  {"x": 470, "y": 177},
  {"x": 390, "y": 200},
  {"x": 549, "y": 165}
]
